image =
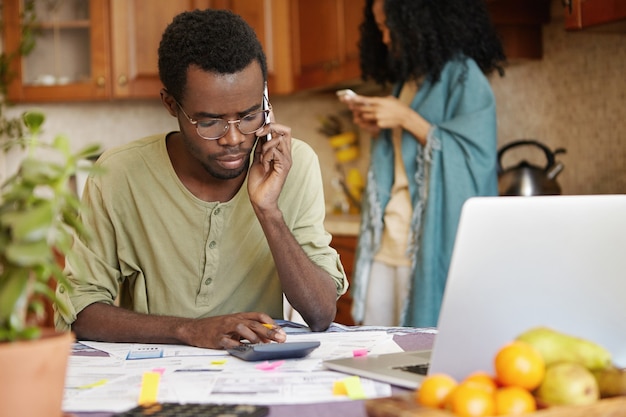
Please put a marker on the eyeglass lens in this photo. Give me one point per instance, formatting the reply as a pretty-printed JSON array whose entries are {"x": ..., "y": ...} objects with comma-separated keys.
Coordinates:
[{"x": 216, "y": 128}]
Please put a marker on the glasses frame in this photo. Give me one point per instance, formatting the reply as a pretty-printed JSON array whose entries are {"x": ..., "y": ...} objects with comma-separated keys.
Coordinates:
[{"x": 228, "y": 122}]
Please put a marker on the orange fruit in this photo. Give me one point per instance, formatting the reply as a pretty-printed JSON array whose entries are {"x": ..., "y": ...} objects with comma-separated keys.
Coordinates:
[
  {"x": 519, "y": 364},
  {"x": 471, "y": 400},
  {"x": 434, "y": 390},
  {"x": 484, "y": 380},
  {"x": 514, "y": 401}
]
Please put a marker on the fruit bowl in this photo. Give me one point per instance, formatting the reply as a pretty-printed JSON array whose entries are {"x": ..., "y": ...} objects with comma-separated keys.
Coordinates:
[{"x": 405, "y": 406}]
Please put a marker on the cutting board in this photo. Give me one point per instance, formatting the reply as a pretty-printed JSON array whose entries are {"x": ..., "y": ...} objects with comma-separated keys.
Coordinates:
[{"x": 405, "y": 406}]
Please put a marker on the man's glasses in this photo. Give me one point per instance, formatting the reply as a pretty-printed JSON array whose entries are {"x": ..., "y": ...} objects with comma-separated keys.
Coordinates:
[{"x": 213, "y": 129}]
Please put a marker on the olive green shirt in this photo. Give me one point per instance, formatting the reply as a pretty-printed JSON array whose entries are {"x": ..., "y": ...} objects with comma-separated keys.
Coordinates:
[{"x": 158, "y": 249}]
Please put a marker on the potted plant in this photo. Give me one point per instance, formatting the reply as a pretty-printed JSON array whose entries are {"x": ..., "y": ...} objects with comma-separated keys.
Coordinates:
[{"x": 38, "y": 219}]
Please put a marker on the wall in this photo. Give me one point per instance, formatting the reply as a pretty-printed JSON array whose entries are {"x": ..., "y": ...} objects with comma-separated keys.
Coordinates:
[{"x": 573, "y": 98}]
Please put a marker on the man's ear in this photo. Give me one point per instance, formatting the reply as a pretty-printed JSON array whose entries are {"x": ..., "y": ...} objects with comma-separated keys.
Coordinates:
[{"x": 169, "y": 102}]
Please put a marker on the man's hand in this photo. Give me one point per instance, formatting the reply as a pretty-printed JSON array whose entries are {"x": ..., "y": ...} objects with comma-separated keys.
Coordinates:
[
  {"x": 270, "y": 166},
  {"x": 223, "y": 332},
  {"x": 104, "y": 322}
]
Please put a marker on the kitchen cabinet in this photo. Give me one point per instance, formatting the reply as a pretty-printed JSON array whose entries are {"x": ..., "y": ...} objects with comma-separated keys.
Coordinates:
[
  {"x": 345, "y": 245},
  {"x": 308, "y": 44},
  {"x": 135, "y": 67},
  {"x": 520, "y": 24},
  {"x": 605, "y": 14},
  {"x": 107, "y": 49},
  {"x": 95, "y": 50},
  {"x": 70, "y": 60},
  {"x": 136, "y": 29},
  {"x": 314, "y": 43}
]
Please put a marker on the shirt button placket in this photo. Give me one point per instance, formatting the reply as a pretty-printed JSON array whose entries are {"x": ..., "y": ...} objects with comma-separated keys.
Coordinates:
[{"x": 212, "y": 254}]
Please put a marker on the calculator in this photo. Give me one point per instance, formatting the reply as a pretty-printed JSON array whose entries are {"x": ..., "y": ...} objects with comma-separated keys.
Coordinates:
[
  {"x": 196, "y": 410},
  {"x": 271, "y": 351}
]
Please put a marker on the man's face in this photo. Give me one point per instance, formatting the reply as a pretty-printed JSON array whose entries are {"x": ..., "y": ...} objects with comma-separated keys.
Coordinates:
[{"x": 221, "y": 96}]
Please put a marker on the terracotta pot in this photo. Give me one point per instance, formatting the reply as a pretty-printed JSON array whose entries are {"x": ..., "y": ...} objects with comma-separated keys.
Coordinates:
[{"x": 32, "y": 375}]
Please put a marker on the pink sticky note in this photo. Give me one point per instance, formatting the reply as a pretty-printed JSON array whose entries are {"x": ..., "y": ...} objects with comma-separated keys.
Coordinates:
[
  {"x": 359, "y": 352},
  {"x": 159, "y": 371},
  {"x": 269, "y": 366}
]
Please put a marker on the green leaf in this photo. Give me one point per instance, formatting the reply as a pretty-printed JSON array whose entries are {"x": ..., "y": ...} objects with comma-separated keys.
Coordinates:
[
  {"x": 37, "y": 308},
  {"x": 30, "y": 333},
  {"x": 12, "y": 291},
  {"x": 33, "y": 120},
  {"x": 37, "y": 172},
  {"x": 62, "y": 143},
  {"x": 32, "y": 224},
  {"x": 88, "y": 152},
  {"x": 28, "y": 254}
]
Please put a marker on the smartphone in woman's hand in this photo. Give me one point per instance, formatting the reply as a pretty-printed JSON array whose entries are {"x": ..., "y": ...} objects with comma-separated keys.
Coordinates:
[{"x": 346, "y": 94}]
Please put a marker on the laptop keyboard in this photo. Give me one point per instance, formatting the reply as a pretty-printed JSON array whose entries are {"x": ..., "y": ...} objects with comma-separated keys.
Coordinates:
[{"x": 421, "y": 369}]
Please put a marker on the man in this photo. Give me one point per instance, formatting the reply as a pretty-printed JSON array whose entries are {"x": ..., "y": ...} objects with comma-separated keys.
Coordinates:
[{"x": 198, "y": 233}]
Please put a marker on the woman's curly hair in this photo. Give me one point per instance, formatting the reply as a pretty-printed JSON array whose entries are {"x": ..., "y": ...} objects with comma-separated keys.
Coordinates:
[
  {"x": 426, "y": 34},
  {"x": 215, "y": 40}
]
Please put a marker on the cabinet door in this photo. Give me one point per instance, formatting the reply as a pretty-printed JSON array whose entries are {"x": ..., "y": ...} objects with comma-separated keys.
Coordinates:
[
  {"x": 580, "y": 14},
  {"x": 136, "y": 29},
  {"x": 327, "y": 51},
  {"x": 253, "y": 12},
  {"x": 70, "y": 58},
  {"x": 345, "y": 246}
]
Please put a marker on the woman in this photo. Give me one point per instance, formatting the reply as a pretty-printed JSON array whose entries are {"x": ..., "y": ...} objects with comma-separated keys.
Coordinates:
[{"x": 434, "y": 146}]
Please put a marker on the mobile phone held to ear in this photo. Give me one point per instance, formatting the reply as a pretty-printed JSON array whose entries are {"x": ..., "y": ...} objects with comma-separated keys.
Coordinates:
[{"x": 266, "y": 106}]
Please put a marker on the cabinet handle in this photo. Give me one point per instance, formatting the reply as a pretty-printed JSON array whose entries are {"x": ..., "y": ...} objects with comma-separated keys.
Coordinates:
[
  {"x": 100, "y": 81},
  {"x": 122, "y": 80}
]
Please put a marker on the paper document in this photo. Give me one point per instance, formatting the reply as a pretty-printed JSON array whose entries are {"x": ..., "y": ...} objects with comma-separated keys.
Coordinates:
[{"x": 110, "y": 378}]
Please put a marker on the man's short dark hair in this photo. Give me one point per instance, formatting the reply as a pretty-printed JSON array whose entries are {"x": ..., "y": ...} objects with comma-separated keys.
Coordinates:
[{"x": 217, "y": 41}]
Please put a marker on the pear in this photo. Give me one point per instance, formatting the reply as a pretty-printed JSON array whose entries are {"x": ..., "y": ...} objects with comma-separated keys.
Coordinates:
[
  {"x": 556, "y": 346},
  {"x": 611, "y": 381},
  {"x": 567, "y": 383}
]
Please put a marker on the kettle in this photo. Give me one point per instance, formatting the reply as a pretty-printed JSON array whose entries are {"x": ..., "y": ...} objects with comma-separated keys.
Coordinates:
[{"x": 526, "y": 179}]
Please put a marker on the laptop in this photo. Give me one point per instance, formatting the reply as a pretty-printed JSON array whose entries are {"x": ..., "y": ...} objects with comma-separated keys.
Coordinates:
[{"x": 520, "y": 262}]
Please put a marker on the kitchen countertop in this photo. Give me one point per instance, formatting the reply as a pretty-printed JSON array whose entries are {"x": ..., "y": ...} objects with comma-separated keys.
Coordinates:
[{"x": 342, "y": 224}]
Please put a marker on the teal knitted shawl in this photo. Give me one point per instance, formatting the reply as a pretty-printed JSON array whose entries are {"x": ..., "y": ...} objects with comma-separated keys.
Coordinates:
[{"x": 457, "y": 162}]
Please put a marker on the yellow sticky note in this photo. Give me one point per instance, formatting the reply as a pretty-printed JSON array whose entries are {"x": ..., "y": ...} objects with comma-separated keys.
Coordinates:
[
  {"x": 94, "y": 384},
  {"x": 339, "y": 388},
  {"x": 354, "y": 388},
  {"x": 149, "y": 388}
]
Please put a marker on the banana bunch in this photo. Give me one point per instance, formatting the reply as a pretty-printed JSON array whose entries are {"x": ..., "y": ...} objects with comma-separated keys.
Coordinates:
[{"x": 578, "y": 371}]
